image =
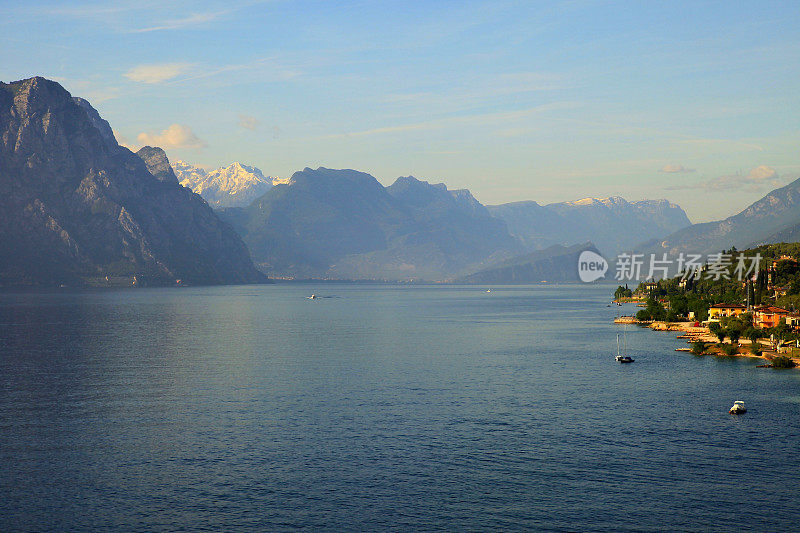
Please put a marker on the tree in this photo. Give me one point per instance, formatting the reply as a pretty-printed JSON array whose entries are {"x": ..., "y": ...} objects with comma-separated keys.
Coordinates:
[
  {"x": 782, "y": 331},
  {"x": 717, "y": 330},
  {"x": 728, "y": 349},
  {"x": 679, "y": 303},
  {"x": 622, "y": 292},
  {"x": 753, "y": 334},
  {"x": 698, "y": 347},
  {"x": 655, "y": 309},
  {"x": 783, "y": 361},
  {"x": 734, "y": 333}
]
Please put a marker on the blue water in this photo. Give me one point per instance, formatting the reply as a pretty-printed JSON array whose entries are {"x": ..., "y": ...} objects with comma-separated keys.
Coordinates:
[{"x": 379, "y": 408}]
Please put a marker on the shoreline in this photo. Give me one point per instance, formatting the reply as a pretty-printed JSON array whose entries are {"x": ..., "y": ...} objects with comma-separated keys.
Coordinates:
[{"x": 691, "y": 333}]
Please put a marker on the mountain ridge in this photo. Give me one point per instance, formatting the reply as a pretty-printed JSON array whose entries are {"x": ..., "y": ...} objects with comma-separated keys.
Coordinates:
[
  {"x": 613, "y": 224},
  {"x": 766, "y": 219},
  {"x": 74, "y": 205},
  {"x": 233, "y": 186}
]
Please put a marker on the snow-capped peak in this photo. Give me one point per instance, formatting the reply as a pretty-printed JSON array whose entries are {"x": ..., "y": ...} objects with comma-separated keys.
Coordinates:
[{"x": 231, "y": 186}]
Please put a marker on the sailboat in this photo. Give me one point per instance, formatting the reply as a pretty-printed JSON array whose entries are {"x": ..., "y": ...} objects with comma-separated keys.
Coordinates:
[{"x": 622, "y": 358}]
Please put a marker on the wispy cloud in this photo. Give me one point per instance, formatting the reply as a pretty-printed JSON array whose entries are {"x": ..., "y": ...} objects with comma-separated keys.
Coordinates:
[
  {"x": 725, "y": 143},
  {"x": 176, "y": 24},
  {"x": 156, "y": 72},
  {"x": 176, "y": 136},
  {"x": 474, "y": 119},
  {"x": 676, "y": 169},
  {"x": 477, "y": 89},
  {"x": 757, "y": 179},
  {"x": 247, "y": 122}
]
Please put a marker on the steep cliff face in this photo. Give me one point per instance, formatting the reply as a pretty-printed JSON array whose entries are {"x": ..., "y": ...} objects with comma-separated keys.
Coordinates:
[
  {"x": 74, "y": 205},
  {"x": 157, "y": 164}
]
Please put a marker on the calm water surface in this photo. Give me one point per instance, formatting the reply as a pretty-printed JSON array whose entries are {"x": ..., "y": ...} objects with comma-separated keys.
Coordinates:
[{"x": 378, "y": 408}]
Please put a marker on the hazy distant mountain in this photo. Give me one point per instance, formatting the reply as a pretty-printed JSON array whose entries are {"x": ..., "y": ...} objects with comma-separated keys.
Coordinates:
[
  {"x": 774, "y": 218},
  {"x": 233, "y": 186},
  {"x": 345, "y": 224},
  {"x": 75, "y": 205},
  {"x": 612, "y": 224},
  {"x": 555, "y": 263}
]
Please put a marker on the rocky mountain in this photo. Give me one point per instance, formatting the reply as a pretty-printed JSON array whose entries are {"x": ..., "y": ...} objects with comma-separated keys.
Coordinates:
[
  {"x": 76, "y": 207},
  {"x": 773, "y": 218},
  {"x": 233, "y": 186},
  {"x": 613, "y": 224},
  {"x": 345, "y": 224},
  {"x": 555, "y": 263}
]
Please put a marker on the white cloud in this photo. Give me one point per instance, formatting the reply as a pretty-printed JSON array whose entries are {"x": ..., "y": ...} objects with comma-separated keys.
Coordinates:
[
  {"x": 672, "y": 169},
  {"x": 156, "y": 72},
  {"x": 762, "y": 173},
  {"x": 759, "y": 178},
  {"x": 123, "y": 141},
  {"x": 176, "y": 136},
  {"x": 191, "y": 20},
  {"x": 247, "y": 122}
]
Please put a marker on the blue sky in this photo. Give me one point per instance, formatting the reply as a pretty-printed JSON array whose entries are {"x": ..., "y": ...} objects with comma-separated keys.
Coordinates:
[{"x": 696, "y": 102}]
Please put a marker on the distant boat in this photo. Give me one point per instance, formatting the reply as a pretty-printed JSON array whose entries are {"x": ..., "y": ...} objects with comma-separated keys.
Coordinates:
[
  {"x": 488, "y": 290},
  {"x": 738, "y": 408},
  {"x": 622, "y": 358},
  {"x": 312, "y": 297}
]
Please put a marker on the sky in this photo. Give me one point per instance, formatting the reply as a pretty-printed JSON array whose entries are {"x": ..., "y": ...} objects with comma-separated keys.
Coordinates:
[{"x": 694, "y": 101}]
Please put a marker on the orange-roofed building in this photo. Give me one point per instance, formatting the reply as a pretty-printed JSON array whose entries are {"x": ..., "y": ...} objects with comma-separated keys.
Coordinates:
[{"x": 769, "y": 316}]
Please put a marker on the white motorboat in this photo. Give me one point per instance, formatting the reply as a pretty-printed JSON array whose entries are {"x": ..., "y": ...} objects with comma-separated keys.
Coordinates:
[{"x": 738, "y": 408}]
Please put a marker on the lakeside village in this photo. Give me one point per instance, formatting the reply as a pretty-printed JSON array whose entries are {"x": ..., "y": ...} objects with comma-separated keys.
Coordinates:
[{"x": 723, "y": 314}]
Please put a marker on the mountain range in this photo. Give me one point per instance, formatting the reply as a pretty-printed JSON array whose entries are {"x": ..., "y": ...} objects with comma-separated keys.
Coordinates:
[
  {"x": 773, "y": 218},
  {"x": 612, "y": 224},
  {"x": 345, "y": 224},
  {"x": 326, "y": 223},
  {"x": 236, "y": 185},
  {"x": 76, "y": 207}
]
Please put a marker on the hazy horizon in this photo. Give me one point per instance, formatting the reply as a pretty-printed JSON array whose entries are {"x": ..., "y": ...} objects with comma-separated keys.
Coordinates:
[{"x": 690, "y": 102}]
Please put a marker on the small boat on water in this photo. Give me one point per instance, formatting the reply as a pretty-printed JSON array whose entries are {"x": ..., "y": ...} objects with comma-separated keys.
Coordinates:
[
  {"x": 738, "y": 408},
  {"x": 312, "y": 297},
  {"x": 622, "y": 358}
]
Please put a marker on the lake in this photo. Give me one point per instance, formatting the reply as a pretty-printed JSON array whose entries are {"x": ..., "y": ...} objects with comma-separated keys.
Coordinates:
[{"x": 379, "y": 407}]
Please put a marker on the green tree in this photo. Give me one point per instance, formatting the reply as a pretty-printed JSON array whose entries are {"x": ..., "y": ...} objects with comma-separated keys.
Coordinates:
[
  {"x": 679, "y": 304},
  {"x": 729, "y": 349},
  {"x": 782, "y": 361},
  {"x": 698, "y": 347},
  {"x": 622, "y": 292},
  {"x": 753, "y": 334},
  {"x": 717, "y": 330}
]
